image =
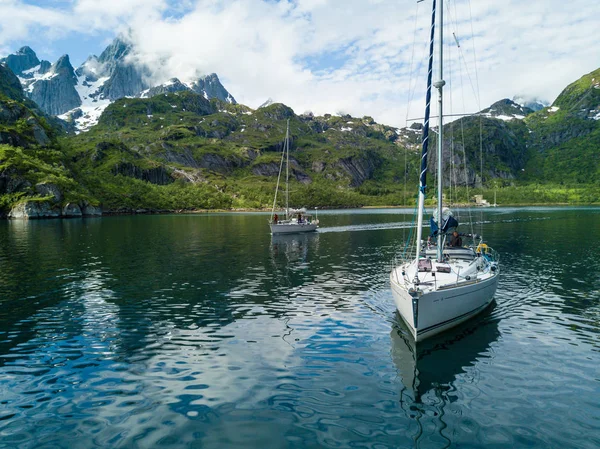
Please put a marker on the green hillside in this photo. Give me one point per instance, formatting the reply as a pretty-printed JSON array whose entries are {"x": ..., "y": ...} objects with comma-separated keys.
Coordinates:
[
  {"x": 179, "y": 151},
  {"x": 34, "y": 172},
  {"x": 564, "y": 146}
]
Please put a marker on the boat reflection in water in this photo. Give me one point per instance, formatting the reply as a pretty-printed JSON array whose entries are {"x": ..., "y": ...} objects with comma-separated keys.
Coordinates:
[
  {"x": 435, "y": 363},
  {"x": 293, "y": 247}
]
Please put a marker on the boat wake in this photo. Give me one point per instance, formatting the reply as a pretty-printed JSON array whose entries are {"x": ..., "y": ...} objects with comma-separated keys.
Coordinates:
[{"x": 407, "y": 225}]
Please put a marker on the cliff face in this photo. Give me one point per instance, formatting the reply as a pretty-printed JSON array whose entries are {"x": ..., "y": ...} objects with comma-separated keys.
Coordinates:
[
  {"x": 24, "y": 59},
  {"x": 56, "y": 94},
  {"x": 79, "y": 96}
]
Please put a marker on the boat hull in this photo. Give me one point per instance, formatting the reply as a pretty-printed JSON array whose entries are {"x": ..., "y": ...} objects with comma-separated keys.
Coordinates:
[
  {"x": 293, "y": 228},
  {"x": 433, "y": 312}
]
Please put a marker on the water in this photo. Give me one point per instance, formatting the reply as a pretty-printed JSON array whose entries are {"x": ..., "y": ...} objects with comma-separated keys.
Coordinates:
[{"x": 204, "y": 331}]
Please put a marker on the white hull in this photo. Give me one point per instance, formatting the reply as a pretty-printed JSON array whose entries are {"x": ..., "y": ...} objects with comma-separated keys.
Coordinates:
[
  {"x": 443, "y": 300},
  {"x": 293, "y": 228}
]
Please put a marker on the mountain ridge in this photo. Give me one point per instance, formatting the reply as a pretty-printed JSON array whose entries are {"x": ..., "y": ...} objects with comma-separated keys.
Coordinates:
[
  {"x": 180, "y": 150},
  {"x": 80, "y": 95}
]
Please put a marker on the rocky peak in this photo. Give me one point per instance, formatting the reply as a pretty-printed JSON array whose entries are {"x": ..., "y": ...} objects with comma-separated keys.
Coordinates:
[
  {"x": 535, "y": 104},
  {"x": 116, "y": 51},
  {"x": 269, "y": 102},
  {"x": 44, "y": 67},
  {"x": 210, "y": 86},
  {"x": 56, "y": 94},
  {"x": 173, "y": 85},
  {"x": 63, "y": 67},
  {"x": 22, "y": 60},
  {"x": 506, "y": 110}
]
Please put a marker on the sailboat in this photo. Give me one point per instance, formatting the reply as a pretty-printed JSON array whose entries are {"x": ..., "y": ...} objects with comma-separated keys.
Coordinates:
[
  {"x": 294, "y": 221},
  {"x": 443, "y": 285}
]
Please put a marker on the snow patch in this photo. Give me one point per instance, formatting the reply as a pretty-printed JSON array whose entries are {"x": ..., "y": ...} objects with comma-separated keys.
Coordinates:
[
  {"x": 33, "y": 69},
  {"x": 346, "y": 129},
  {"x": 553, "y": 109}
]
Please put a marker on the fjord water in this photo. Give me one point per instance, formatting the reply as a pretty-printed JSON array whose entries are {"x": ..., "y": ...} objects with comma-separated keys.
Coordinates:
[{"x": 205, "y": 331}]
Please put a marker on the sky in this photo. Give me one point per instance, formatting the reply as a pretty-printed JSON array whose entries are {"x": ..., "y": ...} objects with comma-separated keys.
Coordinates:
[{"x": 360, "y": 57}]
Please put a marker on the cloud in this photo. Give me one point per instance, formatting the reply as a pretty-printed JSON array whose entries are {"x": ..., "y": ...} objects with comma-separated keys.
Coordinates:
[{"x": 355, "y": 56}]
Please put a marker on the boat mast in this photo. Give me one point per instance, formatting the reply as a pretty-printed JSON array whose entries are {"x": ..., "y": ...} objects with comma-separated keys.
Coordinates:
[
  {"x": 287, "y": 170},
  {"x": 439, "y": 85},
  {"x": 423, "y": 174}
]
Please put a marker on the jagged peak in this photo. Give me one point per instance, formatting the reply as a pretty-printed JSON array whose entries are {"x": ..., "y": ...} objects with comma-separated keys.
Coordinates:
[
  {"x": 24, "y": 59},
  {"x": 63, "y": 65},
  {"x": 506, "y": 109},
  {"x": 269, "y": 102},
  {"x": 63, "y": 62},
  {"x": 26, "y": 50},
  {"x": 118, "y": 49}
]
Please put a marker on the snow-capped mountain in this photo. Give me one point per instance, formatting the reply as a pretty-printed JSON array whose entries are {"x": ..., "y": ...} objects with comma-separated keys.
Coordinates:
[
  {"x": 534, "y": 104},
  {"x": 506, "y": 110},
  {"x": 82, "y": 95},
  {"x": 269, "y": 102}
]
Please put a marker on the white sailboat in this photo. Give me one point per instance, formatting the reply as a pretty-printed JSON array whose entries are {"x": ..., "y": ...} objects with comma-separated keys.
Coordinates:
[
  {"x": 442, "y": 285},
  {"x": 294, "y": 221}
]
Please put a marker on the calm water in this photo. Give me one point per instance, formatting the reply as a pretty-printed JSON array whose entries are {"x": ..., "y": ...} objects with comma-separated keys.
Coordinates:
[{"x": 204, "y": 331}]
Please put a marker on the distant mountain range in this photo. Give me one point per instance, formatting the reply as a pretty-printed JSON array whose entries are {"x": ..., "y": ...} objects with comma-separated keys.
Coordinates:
[
  {"x": 177, "y": 145},
  {"x": 80, "y": 95}
]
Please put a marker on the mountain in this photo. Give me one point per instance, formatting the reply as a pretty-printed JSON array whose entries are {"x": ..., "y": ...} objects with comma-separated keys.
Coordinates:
[
  {"x": 269, "y": 102},
  {"x": 23, "y": 61},
  {"x": 534, "y": 104},
  {"x": 54, "y": 91},
  {"x": 564, "y": 139},
  {"x": 171, "y": 148},
  {"x": 79, "y": 96},
  {"x": 34, "y": 178},
  {"x": 506, "y": 110}
]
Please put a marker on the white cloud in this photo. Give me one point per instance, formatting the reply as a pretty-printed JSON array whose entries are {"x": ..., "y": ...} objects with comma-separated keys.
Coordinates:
[{"x": 327, "y": 56}]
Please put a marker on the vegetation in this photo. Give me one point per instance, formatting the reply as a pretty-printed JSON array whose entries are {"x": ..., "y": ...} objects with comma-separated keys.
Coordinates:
[{"x": 180, "y": 151}]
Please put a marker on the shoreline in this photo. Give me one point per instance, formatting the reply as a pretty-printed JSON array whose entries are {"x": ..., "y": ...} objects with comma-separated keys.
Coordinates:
[{"x": 116, "y": 213}]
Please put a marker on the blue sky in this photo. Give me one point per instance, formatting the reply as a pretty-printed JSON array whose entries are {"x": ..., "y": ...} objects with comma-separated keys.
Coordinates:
[{"x": 325, "y": 56}]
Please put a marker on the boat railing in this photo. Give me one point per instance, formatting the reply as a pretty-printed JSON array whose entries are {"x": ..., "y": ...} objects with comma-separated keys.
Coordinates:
[{"x": 488, "y": 252}]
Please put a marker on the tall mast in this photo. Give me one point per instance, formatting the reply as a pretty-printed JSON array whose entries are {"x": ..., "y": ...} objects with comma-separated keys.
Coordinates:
[
  {"x": 440, "y": 86},
  {"x": 287, "y": 170},
  {"x": 423, "y": 174}
]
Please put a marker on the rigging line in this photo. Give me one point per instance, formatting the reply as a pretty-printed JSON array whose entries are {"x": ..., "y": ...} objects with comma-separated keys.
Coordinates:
[
  {"x": 464, "y": 149},
  {"x": 474, "y": 86},
  {"x": 476, "y": 94},
  {"x": 453, "y": 182},
  {"x": 478, "y": 106},
  {"x": 474, "y": 55},
  {"x": 410, "y": 97},
  {"x": 412, "y": 57},
  {"x": 277, "y": 188}
]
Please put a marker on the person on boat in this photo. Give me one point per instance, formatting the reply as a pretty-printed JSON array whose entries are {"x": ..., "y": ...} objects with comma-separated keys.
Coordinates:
[
  {"x": 455, "y": 240},
  {"x": 275, "y": 218},
  {"x": 299, "y": 218}
]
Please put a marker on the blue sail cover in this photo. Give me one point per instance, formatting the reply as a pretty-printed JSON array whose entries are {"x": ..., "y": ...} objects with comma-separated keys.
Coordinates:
[{"x": 450, "y": 223}]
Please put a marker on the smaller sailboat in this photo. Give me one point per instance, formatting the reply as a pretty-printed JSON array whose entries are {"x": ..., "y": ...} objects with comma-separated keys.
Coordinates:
[{"x": 293, "y": 221}]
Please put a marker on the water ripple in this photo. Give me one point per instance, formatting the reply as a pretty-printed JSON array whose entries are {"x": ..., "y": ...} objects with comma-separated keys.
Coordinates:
[{"x": 189, "y": 331}]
